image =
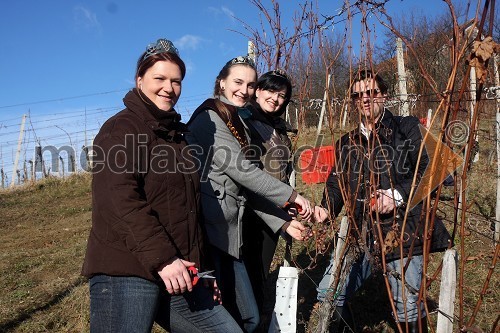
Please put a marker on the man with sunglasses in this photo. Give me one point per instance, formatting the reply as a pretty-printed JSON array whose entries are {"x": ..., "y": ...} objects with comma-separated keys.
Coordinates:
[{"x": 376, "y": 164}]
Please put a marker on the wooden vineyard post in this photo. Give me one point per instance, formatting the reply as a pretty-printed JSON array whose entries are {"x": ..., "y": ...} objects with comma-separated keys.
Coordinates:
[
  {"x": 325, "y": 310},
  {"x": 447, "y": 292},
  {"x": 323, "y": 107},
  {"x": 497, "y": 212},
  {"x": 404, "y": 107}
]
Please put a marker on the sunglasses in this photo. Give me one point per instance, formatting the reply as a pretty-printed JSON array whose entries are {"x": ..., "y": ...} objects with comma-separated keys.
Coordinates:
[{"x": 368, "y": 92}]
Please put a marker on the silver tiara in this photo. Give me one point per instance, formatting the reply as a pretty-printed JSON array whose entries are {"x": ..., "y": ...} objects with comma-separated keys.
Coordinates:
[
  {"x": 242, "y": 60},
  {"x": 161, "y": 46},
  {"x": 280, "y": 73}
]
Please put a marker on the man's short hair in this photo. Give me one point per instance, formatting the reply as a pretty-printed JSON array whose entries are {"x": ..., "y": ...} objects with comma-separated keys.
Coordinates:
[{"x": 367, "y": 73}]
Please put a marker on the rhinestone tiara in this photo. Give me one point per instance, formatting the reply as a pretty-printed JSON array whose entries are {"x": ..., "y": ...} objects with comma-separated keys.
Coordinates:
[{"x": 161, "y": 46}]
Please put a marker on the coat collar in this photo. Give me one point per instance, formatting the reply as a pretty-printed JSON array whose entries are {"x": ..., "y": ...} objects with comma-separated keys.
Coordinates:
[
  {"x": 383, "y": 127},
  {"x": 167, "y": 122},
  {"x": 273, "y": 120}
]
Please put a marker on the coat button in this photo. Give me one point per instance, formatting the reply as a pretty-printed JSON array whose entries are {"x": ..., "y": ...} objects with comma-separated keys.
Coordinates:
[{"x": 217, "y": 192}]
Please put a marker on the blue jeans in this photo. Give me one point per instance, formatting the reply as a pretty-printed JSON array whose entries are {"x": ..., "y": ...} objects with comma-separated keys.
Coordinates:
[
  {"x": 236, "y": 289},
  {"x": 361, "y": 270},
  {"x": 131, "y": 304}
]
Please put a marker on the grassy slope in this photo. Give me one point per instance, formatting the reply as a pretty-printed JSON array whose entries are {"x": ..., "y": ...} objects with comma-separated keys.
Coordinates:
[
  {"x": 43, "y": 232},
  {"x": 44, "y": 228}
]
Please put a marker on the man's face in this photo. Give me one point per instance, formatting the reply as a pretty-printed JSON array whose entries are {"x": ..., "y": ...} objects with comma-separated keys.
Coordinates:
[{"x": 368, "y": 100}]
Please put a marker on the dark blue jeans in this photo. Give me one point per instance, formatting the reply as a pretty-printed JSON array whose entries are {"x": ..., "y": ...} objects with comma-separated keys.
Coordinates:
[
  {"x": 236, "y": 289},
  {"x": 406, "y": 303},
  {"x": 131, "y": 304}
]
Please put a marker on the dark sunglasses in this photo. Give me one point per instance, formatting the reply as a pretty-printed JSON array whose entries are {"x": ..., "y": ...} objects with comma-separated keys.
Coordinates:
[{"x": 369, "y": 93}]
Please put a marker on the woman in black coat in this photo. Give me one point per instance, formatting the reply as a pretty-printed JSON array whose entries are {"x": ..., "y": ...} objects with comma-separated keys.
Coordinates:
[{"x": 271, "y": 151}]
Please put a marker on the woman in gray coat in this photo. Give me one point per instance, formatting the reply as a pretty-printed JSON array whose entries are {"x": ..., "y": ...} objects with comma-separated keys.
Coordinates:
[{"x": 230, "y": 182}]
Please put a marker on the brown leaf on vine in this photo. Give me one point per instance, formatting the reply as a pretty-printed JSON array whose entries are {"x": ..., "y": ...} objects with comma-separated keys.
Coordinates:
[
  {"x": 390, "y": 241},
  {"x": 484, "y": 49},
  {"x": 480, "y": 67},
  {"x": 481, "y": 52}
]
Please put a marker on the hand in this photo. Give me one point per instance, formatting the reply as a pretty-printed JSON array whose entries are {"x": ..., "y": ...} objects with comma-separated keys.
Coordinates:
[
  {"x": 320, "y": 214},
  {"x": 294, "y": 228},
  {"x": 176, "y": 276},
  {"x": 383, "y": 202},
  {"x": 304, "y": 207}
]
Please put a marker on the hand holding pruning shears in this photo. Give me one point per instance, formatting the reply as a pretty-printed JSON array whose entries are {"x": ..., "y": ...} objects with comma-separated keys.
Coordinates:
[
  {"x": 295, "y": 228},
  {"x": 303, "y": 207},
  {"x": 383, "y": 202},
  {"x": 180, "y": 276},
  {"x": 175, "y": 275},
  {"x": 196, "y": 276}
]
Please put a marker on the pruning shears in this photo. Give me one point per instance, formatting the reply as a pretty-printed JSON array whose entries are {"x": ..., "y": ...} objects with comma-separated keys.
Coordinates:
[{"x": 195, "y": 275}]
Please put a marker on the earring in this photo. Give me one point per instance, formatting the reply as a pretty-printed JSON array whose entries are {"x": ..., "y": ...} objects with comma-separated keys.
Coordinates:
[{"x": 222, "y": 89}]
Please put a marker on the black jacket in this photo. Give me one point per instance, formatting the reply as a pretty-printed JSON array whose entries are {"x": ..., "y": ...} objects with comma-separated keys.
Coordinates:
[
  {"x": 388, "y": 160},
  {"x": 145, "y": 194},
  {"x": 271, "y": 148}
]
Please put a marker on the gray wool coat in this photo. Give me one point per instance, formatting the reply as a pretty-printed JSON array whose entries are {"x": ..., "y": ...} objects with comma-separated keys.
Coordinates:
[{"x": 229, "y": 182}]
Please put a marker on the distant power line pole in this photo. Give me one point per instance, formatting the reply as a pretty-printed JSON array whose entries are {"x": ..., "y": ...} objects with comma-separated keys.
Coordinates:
[
  {"x": 18, "y": 152},
  {"x": 85, "y": 126},
  {"x": 1, "y": 159},
  {"x": 403, "y": 109}
]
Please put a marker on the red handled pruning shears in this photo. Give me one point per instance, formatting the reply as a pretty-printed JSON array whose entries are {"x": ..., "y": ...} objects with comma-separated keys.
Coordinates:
[{"x": 195, "y": 275}]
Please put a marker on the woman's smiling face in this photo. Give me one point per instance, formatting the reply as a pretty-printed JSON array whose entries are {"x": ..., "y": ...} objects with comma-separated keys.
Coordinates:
[
  {"x": 270, "y": 101},
  {"x": 162, "y": 84},
  {"x": 239, "y": 85}
]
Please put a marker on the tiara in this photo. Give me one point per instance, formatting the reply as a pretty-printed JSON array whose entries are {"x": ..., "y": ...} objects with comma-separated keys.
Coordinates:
[
  {"x": 280, "y": 73},
  {"x": 242, "y": 60},
  {"x": 161, "y": 46}
]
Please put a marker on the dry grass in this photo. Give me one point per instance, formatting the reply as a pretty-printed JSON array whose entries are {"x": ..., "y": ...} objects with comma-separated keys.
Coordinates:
[
  {"x": 44, "y": 228},
  {"x": 44, "y": 231}
]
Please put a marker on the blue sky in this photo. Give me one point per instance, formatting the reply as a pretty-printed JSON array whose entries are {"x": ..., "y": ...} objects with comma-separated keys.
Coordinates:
[{"x": 64, "y": 59}]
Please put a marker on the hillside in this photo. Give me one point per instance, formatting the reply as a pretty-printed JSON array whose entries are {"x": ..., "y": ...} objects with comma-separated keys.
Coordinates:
[{"x": 44, "y": 228}]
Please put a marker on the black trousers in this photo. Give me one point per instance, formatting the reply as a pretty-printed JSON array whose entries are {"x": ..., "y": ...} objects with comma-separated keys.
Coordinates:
[{"x": 259, "y": 245}]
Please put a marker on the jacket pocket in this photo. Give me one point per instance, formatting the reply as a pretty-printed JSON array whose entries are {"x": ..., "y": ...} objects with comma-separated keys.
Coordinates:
[{"x": 213, "y": 197}]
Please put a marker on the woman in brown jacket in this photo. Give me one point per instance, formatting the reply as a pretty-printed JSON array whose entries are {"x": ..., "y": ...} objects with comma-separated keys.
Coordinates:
[{"x": 145, "y": 213}]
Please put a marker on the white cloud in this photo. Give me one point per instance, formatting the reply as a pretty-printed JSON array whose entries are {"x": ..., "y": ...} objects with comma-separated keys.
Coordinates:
[
  {"x": 229, "y": 13},
  {"x": 85, "y": 18},
  {"x": 222, "y": 11},
  {"x": 188, "y": 42}
]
